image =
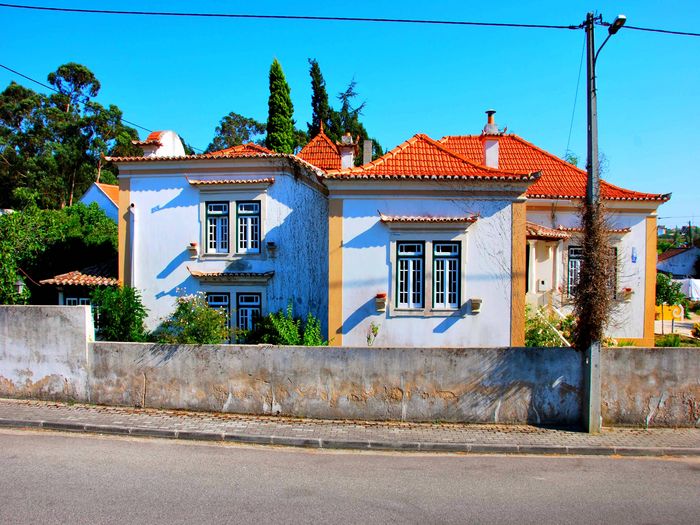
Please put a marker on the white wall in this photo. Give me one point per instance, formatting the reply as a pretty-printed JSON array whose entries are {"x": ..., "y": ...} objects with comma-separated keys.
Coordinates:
[
  {"x": 95, "y": 194},
  {"x": 168, "y": 219},
  {"x": 682, "y": 264},
  {"x": 367, "y": 271},
  {"x": 628, "y": 316}
]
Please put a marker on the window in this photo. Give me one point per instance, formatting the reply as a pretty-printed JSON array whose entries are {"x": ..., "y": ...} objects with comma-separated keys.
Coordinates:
[
  {"x": 248, "y": 219},
  {"x": 76, "y": 301},
  {"x": 248, "y": 310},
  {"x": 217, "y": 227},
  {"x": 575, "y": 259},
  {"x": 410, "y": 261},
  {"x": 446, "y": 275}
]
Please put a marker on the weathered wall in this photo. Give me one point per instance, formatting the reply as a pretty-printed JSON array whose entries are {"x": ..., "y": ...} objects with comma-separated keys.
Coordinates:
[
  {"x": 651, "y": 386},
  {"x": 512, "y": 385},
  {"x": 44, "y": 351}
]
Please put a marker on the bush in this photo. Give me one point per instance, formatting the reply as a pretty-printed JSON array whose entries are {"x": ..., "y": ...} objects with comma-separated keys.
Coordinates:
[
  {"x": 282, "y": 328},
  {"x": 194, "y": 322},
  {"x": 542, "y": 331},
  {"x": 120, "y": 314},
  {"x": 672, "y": 340},
  {"x": 696, "y": 330}
]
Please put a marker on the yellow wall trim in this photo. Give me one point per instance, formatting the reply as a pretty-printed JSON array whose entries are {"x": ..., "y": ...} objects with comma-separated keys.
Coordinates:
[
  {"x": 518, "y": 270},
  {"x": 124, "y": 244},
  {"x": 335, "y": 272},
  {"x": 650, "y": 284}
]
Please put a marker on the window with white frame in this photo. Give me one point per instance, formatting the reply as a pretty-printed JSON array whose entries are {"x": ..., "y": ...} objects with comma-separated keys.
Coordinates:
[
  {"x": 217, "y": 224},
  {"x": 221, "y": 301},
  {"x": 574, "y": 274},
  {"x": 248, "y": 226},
  {"x": 77, "y": 301},
  {"x": 410, "y": 275},
  {"x": 248, "y": 310},
  {"x": 446, "y": 278}
]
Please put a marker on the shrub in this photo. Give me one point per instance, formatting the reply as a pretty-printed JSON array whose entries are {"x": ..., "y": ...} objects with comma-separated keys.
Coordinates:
[
  {"x": 120, "y": 314},
  {"x": 669, "y": 340},
  {"x": 193, "y": 322},
  {"x": 696, "y": 330},
  {"x": 282, "y": 328},
  {"x": 538, "y": 331}
]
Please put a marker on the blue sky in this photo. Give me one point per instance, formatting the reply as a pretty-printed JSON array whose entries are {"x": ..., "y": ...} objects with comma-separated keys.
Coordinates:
[{"x": 186, "y": 74}]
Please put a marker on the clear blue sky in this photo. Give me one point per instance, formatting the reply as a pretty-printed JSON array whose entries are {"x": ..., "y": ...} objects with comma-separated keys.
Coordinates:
[{"x": 185, "y": 74}]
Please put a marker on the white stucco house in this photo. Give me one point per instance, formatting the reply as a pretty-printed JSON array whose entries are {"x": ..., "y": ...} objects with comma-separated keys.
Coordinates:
[
  {"x": 106, "y": 196},
  {"x": 246, "y": 226},
  {"x": 679, "y": 262}
]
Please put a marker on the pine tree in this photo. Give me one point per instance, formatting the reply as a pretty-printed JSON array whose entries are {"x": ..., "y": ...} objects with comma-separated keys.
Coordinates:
[
  {"x": 320, "y": 108},
  {"x": 280, "y": 126}
]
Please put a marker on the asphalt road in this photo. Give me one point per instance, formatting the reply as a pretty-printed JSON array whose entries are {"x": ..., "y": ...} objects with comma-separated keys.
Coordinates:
[{"x": 65, "y": 478}]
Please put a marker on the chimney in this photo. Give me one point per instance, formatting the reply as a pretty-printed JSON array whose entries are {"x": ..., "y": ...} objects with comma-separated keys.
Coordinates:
[
  {"x": 161, "y": 144},
  {"x": 366, "y": 151},
  {"x": 490, "y": 141},
  {"x": 347, "y": 148}
]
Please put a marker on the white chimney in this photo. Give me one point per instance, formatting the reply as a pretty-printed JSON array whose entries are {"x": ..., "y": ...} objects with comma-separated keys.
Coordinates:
[
  {"x": 367, "y": 151},
  {"x": 347, "y": 148},
  {"x": 161, "y": 144},
  {"x": 490, "y": 141}
]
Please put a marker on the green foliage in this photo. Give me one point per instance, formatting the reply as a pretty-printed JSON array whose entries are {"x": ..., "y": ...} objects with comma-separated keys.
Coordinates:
[
  {"x": 670, "y": 340},
  {"x": 235, "y": 129},
  {"x": 696, "y": 330},
  {"x": 282, "y": 328},
  {"x": 539, "y": 329},
  {"x": 280, "y": 126},
  {"x": 194, "y": 322},
  {"x": 120, "y": 314},
  {"x": 571, "y": 157},
  {"x": 43, "y": 243},
  {"x": 51, "y": 145},
  {"x": 668, "y": 292},
  {"x": 320, "y": 108}
]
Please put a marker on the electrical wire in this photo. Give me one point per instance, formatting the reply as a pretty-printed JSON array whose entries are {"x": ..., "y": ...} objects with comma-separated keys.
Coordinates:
[
  {"x": 578, "y": 83},
  {"x": 57, "y": 91},
  {"x": 664, "y": 31},
  {"x": 290, "y": 17}
]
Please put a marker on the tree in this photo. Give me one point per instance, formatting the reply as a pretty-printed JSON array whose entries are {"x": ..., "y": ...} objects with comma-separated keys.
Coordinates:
[
  {"x": 53, "y": 145},
  {"x": 667, "y": 291},
  {"x": 120, "y": 314},
  {"x": 194, "y": 322},
  {"x": 235, "y": 129},
  {"x": 320, "y": 108},
  {"x": 280, "y": 125}
]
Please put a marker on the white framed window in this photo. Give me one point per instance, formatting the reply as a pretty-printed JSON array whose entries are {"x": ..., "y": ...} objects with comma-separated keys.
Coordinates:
[
  {"x": 446, "y": 275},
  {"x": 574, "y": 267},
  {"x": 410, "y": 274},
  {"x": 76, "y": 301},
  {"x": 248, "y": 226},
  {"x": 248, "y": 309},
  {"x": 217, "y": 227}
]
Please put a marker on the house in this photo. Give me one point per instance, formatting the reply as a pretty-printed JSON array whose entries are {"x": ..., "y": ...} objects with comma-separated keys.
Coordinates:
[
  {"x": 425, "y": 249},
  {"x": 74, "y": 288},
  {"x": 246, "y": 226},
  {"x": 679, "y": 262},
  {"x": 106, "y": 196},
  {"x": 552, "y": 243}
]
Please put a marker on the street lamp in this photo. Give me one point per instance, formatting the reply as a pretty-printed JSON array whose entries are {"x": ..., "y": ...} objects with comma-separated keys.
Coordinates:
[
  {"x": 19, "y": 286},
  {"x": 592, "y": 379}
]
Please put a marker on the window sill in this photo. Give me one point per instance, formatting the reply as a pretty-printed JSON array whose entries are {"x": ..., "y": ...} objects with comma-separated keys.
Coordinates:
[
  {"x": 428, "y": 312},
  {"x": 231, "y": 256}
]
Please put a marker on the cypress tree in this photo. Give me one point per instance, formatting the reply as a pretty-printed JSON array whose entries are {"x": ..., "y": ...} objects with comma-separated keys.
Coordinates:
[
  {"x": 280, "y": 126},
  {"x": 320, "y": 108}
]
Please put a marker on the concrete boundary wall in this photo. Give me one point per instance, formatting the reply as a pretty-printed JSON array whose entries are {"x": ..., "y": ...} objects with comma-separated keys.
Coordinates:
[
  {"x": 496, "y": 385},
  {"x": 44, "y": 351}
]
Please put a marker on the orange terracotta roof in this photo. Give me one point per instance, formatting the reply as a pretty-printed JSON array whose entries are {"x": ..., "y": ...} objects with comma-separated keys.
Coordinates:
[
  {"x": 420, "y": 157},
  {"x": 206, "y": 182},
  {"x": 153, "y": 139},
  {"x": 425, "y": 218},
  {"x": 321, "y": 152},
  {"x": 104, "y": 274},
  {"x": 560, "y": 180},
  {"x": 578, "y": 229},
  {"x": 242, "y": 149},
  {"x": 671, "y": 252},
  {"x": 542, "y": 232},
  {"x": 111, "y": 190}
]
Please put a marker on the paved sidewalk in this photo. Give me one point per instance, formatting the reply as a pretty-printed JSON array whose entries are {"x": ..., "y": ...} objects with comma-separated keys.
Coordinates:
[{"x": 442, "y": 437}]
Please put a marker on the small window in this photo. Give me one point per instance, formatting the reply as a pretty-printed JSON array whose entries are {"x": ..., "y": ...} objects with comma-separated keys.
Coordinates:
[
  {"x": 84, "y": 301},
  {"x": 575, "y": 259},
  {"x": 248, "y": 219},
  {"x": 71, "y": 301},
  {"x": 248, "y": 310},
  {"x": 446, "y": 275},
  {"x": 410, "y": 275},
  {"x": 217, "y": 227}
]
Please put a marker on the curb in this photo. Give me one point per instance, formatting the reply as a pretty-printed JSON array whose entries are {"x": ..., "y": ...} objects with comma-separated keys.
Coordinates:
[{"x": 338, "y": 444}]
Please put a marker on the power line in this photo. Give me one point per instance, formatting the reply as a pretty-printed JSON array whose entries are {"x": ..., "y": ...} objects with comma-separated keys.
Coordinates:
[
  {"x": 664, "y": 31},
  {"x": 578, "y": 82},
  {"x": 57, "y": 91},
  {"x": 291, "y": 17}
]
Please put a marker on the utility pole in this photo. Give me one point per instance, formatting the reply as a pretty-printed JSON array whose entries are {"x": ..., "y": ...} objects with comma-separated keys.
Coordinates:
[{"x": 592, "y": 419}]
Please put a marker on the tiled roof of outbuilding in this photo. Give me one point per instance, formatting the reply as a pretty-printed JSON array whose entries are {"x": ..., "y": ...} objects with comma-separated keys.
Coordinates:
[
  {"x": 111, "y": 190},
  {"x": 321, "y": 152},
  {"x": 103, "y": 274}
]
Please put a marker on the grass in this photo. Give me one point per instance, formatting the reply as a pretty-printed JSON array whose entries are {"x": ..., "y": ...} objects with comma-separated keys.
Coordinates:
[{"x": 675, "y": 340}]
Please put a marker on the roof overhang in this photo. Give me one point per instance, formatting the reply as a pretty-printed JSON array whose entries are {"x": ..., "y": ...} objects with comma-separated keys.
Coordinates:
[{"x": 249, "y": 278}]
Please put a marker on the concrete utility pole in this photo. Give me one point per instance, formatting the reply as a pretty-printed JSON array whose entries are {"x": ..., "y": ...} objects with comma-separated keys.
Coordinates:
[{"x": 592, "y": 419}]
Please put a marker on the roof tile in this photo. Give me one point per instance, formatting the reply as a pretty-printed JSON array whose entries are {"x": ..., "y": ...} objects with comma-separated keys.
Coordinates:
[{"x": 321, "y": 152}]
